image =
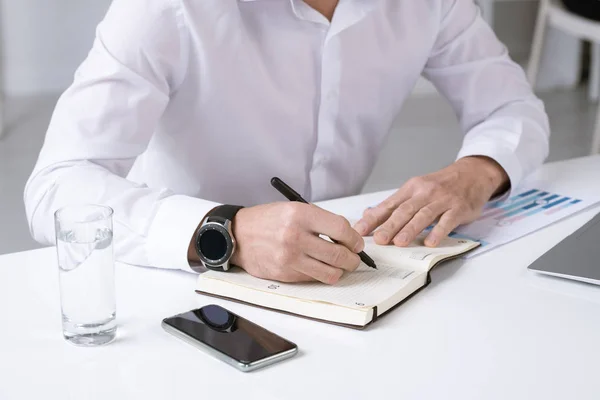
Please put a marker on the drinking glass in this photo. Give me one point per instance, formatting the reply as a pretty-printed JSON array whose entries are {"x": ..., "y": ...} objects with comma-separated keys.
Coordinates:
[{"x": 84, "y": 243}]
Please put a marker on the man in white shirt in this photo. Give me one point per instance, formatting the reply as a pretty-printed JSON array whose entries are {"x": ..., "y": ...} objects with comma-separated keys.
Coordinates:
[{"x": 183, "y": 105}]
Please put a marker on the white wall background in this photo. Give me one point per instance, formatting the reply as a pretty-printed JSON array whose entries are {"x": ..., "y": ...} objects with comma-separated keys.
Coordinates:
[{"x": 45, "y": 40}]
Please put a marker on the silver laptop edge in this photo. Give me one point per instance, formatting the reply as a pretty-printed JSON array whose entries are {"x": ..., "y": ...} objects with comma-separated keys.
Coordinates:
[{"x": 577, "y": 257}]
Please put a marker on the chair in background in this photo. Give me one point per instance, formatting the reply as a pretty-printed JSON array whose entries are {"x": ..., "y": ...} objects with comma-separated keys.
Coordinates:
[{"x": 553, "y": 13}]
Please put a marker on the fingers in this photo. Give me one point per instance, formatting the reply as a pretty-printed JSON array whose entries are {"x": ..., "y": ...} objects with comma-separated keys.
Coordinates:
[
  {"x": 421, "y": 220},
  {"x": 301, "y": 255},
  {"x": 334, "y": 255},
  {"x": 336, "y": 227},
  {"x": 374, "y": 217},
  {"x": 277, "y": 272},
  {"x": 447, "y": 223},
  {"x": 285, "y": 274},
  {"x": 398, "y": 220},
  {"x": 319, "y": 271}
]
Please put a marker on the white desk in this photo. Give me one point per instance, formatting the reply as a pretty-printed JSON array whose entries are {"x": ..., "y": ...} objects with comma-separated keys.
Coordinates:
[{"x": 485, "y": 329}]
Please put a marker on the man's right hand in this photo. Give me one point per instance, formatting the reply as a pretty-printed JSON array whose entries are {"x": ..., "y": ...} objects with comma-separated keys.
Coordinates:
[{"x": 280, "y": 241}]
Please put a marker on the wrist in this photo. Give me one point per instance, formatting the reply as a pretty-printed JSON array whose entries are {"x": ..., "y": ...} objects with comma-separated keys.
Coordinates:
[
  {"x": 213, "y": 244},
  {"x": 489, "y": 174},
  {"x": 238, "y": 229},
  {"x": 193, "y": 257}
]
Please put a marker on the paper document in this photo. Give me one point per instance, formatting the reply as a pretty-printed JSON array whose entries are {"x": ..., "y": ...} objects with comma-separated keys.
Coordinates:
[
  {"x": 365, "y": 287},
  {"x": 534, "y": 206},
  {"x": 528, "y": 211}
]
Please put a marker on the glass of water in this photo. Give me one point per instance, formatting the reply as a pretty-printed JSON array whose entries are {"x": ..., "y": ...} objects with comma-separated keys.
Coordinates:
[{"x": 84, "y": 242}]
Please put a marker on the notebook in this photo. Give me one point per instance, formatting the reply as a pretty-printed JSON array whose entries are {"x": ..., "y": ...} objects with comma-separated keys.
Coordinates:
[{"x": 357, "y": 300}]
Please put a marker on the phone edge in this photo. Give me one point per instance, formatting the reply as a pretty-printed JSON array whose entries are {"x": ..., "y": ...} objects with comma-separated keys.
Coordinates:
[{"x": 240, "y": 366}]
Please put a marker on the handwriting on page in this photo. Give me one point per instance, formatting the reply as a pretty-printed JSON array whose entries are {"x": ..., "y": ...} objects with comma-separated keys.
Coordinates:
[{"x": 363, "y": 288}]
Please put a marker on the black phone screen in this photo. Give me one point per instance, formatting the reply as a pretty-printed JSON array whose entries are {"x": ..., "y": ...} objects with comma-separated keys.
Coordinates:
[{"x": 229, "y": 333}]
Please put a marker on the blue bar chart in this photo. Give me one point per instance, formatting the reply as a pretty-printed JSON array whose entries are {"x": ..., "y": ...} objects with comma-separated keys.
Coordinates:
[
  {"x": 523, "y": 213},
  {"x": 524, "y": 205}
]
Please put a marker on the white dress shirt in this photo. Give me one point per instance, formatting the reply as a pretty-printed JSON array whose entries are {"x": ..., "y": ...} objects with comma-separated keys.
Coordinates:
[{"x": 185, "y": 104}]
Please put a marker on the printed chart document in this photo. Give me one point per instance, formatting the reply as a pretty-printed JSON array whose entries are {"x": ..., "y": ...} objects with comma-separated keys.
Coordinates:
[
  {"x": 539, "y": 202},
  {"x": 528, "y": 211},
  {"x": 357, "y": 299}
]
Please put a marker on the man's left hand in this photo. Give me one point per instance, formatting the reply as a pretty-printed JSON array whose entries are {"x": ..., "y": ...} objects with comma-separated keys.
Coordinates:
[{"x": 453, "y": 196}]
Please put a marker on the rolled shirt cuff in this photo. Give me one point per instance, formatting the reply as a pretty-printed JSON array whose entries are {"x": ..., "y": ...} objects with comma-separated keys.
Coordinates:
[
  {"x": 503, "y": 155},
  {"x": 174, "y": 225}
]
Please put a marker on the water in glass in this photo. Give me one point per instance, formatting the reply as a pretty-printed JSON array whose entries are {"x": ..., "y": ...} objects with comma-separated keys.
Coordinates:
[{"x": 86, "y": 265}]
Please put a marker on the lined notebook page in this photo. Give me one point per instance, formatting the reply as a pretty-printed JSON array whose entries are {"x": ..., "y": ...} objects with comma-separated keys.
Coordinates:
[
  {"x": 416, "y": 256},
  {"x": 366, "y": 287}
]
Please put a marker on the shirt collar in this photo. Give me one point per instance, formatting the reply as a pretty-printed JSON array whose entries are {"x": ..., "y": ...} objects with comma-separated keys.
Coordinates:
[{"x": 351, "y": 11}]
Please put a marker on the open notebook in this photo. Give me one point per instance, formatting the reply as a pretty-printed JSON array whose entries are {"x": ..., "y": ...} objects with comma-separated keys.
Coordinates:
[{"x": 357, "y": 299}]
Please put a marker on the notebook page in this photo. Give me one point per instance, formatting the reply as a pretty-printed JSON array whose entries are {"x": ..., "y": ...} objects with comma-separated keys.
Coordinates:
[
  {"x": 366, "y": 287},
  {"x": 416, "y": 256}
]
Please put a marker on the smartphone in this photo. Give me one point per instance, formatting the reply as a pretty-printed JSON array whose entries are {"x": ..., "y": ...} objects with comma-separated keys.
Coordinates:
[{"x": 230, "y": 338}]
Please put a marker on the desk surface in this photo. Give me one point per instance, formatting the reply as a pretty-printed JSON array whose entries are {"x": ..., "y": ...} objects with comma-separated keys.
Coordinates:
[{"x": 486, "y": 328}]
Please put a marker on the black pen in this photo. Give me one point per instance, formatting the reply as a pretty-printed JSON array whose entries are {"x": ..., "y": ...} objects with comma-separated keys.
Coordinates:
[{"x": 292, "y": 195}]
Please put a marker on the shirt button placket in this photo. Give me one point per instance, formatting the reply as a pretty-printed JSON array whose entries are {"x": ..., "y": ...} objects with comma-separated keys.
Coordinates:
[{"x": 327, "y": 113}]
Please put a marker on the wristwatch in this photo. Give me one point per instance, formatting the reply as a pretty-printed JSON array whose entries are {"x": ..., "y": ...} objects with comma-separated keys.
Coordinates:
[{"x": 214, "y": 239}]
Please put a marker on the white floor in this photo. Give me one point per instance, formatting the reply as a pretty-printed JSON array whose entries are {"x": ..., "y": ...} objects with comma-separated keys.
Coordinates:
[{"x": 424, "y": 138}]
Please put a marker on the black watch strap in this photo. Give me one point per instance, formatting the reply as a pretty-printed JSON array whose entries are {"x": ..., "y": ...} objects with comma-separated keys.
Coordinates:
[{"x": 223, "y": 213}]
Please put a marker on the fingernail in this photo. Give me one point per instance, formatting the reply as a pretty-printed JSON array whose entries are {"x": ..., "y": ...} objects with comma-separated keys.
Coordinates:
[
  {"x": 361, "y": 228},
  {"x": 432, "y": 241},
  {"x": 403, "y": 238}
]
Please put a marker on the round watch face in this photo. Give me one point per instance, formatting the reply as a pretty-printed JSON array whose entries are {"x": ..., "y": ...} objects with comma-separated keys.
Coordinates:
[{"x": 214, "y": 244}]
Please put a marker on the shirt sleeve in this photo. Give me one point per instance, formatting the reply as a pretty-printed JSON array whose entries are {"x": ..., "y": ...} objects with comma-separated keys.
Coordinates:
[
  {"x": 497, "y": 109},
  {"x": 103, "y": 122}
]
